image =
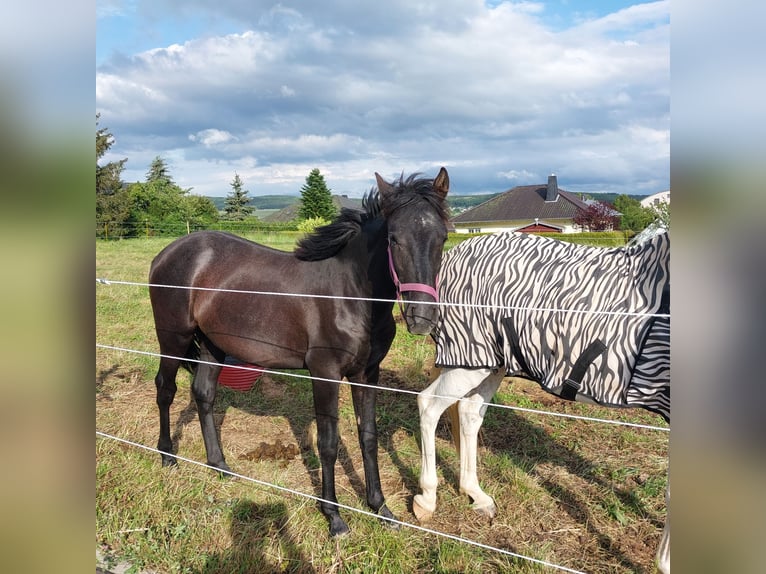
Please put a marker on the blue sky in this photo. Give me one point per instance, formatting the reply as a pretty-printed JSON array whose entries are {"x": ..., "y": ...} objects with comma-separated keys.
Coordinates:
[{"x": 501, "y": 93}]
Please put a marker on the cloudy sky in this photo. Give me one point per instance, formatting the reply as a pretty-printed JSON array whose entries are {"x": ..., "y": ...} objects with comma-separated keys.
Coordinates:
[{"x": 501, "y": 93}]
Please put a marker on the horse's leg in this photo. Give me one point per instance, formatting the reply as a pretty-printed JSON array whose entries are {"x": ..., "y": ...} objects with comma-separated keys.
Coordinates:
[
  {"x": 173, "y": 345},
  {"x": 204, "y": 387},
  {"x": 663, "y": 552},
  {"x": 471, "y": 412},
  {"x": 326, "y": 411},
  {"x": 364, "y": 406},
  {"x": 449, "y": 386},
  {"x": 165, "y": 381}
]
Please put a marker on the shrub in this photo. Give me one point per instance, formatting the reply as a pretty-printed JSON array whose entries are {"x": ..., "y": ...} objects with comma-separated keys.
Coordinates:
[{"x": 309, "y": 225}]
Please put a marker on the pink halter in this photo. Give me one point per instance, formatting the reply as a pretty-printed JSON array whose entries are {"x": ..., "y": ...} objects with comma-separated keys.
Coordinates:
[{"x": 402, "y": 287}]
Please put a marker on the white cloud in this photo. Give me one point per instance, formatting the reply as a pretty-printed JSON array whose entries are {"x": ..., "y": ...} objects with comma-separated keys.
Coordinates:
[
  {"x": 212, "y": 137},
  {"x": 517, "y": 175},
  {"x": 493, "y": 92}
]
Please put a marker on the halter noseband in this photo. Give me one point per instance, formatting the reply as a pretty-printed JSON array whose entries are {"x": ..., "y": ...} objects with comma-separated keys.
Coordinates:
[{"x": 402, "y": 287}]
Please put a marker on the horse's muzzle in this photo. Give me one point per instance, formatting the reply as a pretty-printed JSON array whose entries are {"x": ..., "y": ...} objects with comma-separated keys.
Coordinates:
[{"x": 420, "y": 319}]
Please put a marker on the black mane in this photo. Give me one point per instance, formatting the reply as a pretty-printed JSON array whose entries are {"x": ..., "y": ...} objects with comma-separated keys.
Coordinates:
[{"x": 328, "y": 240}]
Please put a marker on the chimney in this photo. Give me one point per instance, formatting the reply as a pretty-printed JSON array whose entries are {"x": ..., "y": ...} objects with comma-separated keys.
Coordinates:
[{"x": 552, "y": 191}]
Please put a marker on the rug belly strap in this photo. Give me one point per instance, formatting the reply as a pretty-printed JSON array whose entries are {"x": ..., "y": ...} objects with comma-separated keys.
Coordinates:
[
  {"x": 573, "y": 382},
  {"x": 515, "y": 345}
]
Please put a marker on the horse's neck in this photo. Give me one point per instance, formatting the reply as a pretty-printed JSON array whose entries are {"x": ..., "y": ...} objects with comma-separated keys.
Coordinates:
[{"x": 375, "y": 233}]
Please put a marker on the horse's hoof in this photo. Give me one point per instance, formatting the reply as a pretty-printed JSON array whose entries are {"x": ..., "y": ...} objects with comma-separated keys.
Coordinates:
[
  {"x": 169, "y": 461},
  {"x": 385, "y": 513},
  {"x": 419, "y": 511},
  {"x": 487, "y": 511},
  {"x": 222, "y": 469},
  {"x": 338, "y": 527}
]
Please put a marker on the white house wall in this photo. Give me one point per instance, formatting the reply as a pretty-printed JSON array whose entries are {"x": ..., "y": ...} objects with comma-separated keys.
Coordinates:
[
  {"x": 652, "y": 200},
  {"x": 567, "y": 228}
]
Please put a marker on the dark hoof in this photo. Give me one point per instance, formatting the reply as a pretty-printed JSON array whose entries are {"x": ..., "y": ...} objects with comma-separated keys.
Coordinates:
[
  {"x": 169, "y": 461},
  {"x": 338, "y": 527},
  {"x": 387, "y": 517},
  {"x": 223, "y": 469}
]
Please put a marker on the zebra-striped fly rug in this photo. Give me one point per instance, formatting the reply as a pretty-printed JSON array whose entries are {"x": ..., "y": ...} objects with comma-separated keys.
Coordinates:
[{"x": 587, "y": 323}]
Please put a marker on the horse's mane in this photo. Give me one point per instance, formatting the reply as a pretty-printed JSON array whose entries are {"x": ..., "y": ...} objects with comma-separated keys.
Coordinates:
[{"x": 328, "y": 240}]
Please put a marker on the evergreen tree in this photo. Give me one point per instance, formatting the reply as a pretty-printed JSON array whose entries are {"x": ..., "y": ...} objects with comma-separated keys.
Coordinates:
[
  {"x": 112, "y": 201},
  {"x": 316, "y": 198},
  {"x": 237, "y": 204},
  {"x": 159, "y": 172},
  {"x": 108, "y": 175}
]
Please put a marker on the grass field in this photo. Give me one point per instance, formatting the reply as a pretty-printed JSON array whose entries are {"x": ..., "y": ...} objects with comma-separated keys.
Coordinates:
[{"x": 585, "y": 495}]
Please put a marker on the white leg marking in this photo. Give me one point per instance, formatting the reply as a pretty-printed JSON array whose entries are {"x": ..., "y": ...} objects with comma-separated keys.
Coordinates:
[
  {"x": 472, "y": 410},
  {"x": 449, "y": 386},
  {"x": 663, "y": 552}
]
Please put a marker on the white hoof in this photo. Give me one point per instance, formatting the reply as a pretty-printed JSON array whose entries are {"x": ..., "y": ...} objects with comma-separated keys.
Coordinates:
[
  {"x": 420, "y": 511},
  {"x": 487, "y": 510}
]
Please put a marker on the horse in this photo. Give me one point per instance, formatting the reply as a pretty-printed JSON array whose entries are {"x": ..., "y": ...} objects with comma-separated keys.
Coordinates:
[
  {"x": 587, "y": 323},
  {"x": 215, "y": 295}
]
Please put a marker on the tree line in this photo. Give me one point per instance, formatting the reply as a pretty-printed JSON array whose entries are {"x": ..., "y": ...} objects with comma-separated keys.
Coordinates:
[{"x": 159, "y": 203}]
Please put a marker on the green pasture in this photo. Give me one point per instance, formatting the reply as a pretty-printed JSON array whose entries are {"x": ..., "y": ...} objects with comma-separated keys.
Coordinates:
[{"x": 588, "y": 496}]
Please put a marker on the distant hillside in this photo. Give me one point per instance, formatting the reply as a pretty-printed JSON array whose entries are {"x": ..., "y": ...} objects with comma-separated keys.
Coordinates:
[
  {"x": 290, "y": 212},
  {"x": 610, "y": 197},
  {"x": 457, "y": 203},
  {"x": 460, "y": 203},
  {"x": 277, "y": 202},
  {"x": 261, "y": 201}
]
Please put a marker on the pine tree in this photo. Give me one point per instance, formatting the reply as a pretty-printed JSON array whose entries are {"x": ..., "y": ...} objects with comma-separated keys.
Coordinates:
[
  {"x": 316, "y": 198},
  {"x": 159, "y": 172},
  {"x": 108, "y": 175},
  {"x": 112, "y": 201},
  {"x": 236, "y": 204}
]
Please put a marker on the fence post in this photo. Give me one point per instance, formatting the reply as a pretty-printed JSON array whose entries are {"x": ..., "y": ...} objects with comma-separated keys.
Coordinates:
[
  {"x": 146, "y": 223},
  {"x": 106, "y": 230},
  {"x": 187, "y": 228}
]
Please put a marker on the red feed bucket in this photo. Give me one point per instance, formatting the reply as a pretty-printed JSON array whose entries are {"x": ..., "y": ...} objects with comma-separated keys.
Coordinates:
[{"x": 237, "y": 378}]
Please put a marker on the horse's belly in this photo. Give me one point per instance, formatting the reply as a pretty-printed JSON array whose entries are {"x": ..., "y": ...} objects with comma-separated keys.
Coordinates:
[
  {"x": 282, "y": 341},
  {"x": 272, "y": 341}
]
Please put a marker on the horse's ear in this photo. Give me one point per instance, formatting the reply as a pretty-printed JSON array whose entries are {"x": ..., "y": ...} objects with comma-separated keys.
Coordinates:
[
  {"x": 384, "y": 187},
  {"x": 441, "y": 183}
]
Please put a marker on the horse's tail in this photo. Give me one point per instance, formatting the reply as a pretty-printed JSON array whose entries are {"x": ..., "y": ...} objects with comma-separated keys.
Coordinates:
[{"x": 192, "y": 354}]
